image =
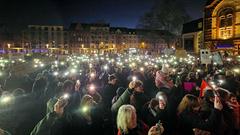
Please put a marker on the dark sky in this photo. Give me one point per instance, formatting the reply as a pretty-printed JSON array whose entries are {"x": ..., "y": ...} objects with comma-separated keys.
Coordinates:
[{"x": 124, "y": 13}]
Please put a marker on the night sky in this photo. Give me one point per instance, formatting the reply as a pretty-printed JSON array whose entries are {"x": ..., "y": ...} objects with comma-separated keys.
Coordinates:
[{"x": 124, "y": 13}]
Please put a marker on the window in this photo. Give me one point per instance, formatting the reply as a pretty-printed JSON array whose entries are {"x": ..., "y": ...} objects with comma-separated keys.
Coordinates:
[
  {"x": 200, "y": 25},
  {"x": 225, "y": 23}
]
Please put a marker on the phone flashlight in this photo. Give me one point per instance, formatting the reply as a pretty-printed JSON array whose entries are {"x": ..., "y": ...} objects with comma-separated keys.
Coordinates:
[
  {"x": 134, "y": 78},
  {"x": 92, "y": 75},
  {"x": 66, "y": 96},
  {"x": 78, "y": 82},
  {"x": 92, "y": 87}
]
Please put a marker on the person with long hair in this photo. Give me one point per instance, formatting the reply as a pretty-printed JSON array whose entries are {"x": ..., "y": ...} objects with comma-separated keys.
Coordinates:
[
  {"x": 189, "y": 118},
  {"x": 128, "y": 123}
]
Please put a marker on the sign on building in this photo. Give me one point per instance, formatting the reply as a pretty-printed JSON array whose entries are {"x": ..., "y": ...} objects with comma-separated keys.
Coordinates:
[{"x": 206, "y": 56}]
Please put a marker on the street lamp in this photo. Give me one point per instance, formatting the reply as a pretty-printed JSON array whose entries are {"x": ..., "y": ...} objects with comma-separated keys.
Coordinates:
[{"x": 9, "y": 45}]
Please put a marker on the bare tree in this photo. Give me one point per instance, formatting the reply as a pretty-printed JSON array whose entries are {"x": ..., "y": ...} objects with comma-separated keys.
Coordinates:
[{"x": 166, "y": 15}]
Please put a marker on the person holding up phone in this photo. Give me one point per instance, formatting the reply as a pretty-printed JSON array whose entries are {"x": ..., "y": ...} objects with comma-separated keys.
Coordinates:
[
  {"x": 188, "y": 115},
  {"x": 129, "y": 124}
]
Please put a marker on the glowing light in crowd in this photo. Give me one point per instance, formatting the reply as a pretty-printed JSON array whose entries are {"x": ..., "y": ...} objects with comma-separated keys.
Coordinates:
[
  {"x": 55, "y": 73},
  {"x": 221, "y": 81},
  {"x": 141, "y": 69},
  {"x": 236, "y": 70},
  {"x": 41, "y": 65},
  {"x": 105, "y": 67},
  {"x": 66, "y": 73},
  {"x": 90, "y": 65},
  {"x": 212, "y": 83},
  {"x": 229, "y": 59},
  {"x": 62, "y": 63},
  {"x": 92, "y": 75},
  {"x": 84, "y": 109},
  {"x": 92, "y": 87},
  {"x": 66, "y": 96},
  {"x": 6, "y": 99},
  {"x": 214, "y": 86},
  {"x": 134, "y": 78},
  {"x": 73, "y": 70}
]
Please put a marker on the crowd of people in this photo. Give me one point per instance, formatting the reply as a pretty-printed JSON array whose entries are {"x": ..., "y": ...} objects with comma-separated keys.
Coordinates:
[{"x": 122, "y": 95}]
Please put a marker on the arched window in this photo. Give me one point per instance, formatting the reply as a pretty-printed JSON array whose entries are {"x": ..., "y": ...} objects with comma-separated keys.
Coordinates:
[{"x": 225, "y": 18}]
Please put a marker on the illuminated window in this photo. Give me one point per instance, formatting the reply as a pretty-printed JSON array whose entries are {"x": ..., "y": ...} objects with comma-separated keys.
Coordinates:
[
  {"x": 200, "y": 25},
  {"x": 225, "y": 23}
]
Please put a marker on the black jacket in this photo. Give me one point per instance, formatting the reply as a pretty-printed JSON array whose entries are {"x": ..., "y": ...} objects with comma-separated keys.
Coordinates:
[
  {"x": 151, "y": 115},
  {"x": 189, "y": 120},
  {"x": 69, "y": 124},
  {"x": 108, "y": 93}
]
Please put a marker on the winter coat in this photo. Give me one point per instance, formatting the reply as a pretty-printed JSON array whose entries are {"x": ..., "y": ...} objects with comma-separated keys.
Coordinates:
[
  {"x": 188, "y": 120},
  {"x": 130, "y": 97},
  {"x": 151, "y": 114},
  {"x": 108, "y": 93},
  {"x": 69, "y": 124}
]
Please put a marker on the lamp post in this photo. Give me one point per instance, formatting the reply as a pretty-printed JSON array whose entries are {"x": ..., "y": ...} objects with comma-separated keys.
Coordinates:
[
  {"x": 9, "y": 46},
  {"x": 83, "y": 48},
  {"x": 47, "y": 45}
]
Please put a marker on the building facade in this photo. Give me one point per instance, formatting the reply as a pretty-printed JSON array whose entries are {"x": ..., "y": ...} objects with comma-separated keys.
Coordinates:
[
  {"x": 91, "y": 38},
  {"x": 101, "y": 38},
  {"x": 38, "y": 38},
  {"x": 222, "y": 26},
  {"x": 192, "y": 36}
]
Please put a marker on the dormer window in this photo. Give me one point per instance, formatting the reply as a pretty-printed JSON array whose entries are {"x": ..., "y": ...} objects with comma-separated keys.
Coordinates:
[{"x": 225, "y": 23}]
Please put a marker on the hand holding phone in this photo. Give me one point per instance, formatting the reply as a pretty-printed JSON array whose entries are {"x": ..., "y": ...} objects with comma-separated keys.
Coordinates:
[
  {"x": 77, "y": 85},
  {"x": 159, "y": 124},
  {"x": 60, "y": 105},
  {"x": 217, "y": 103}
]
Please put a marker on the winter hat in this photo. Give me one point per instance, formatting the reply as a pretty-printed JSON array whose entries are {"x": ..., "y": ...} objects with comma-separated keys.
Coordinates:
[
  {"x": 162, "y": 96},
  {"x": 160, "y": 80}
]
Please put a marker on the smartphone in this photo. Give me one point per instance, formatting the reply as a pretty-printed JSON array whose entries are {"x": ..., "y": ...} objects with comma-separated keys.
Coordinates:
[
  {"x": 159, "y": 126},
  {"x": 78, "y": 82},
  {"x": 63, "y": 102}
]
